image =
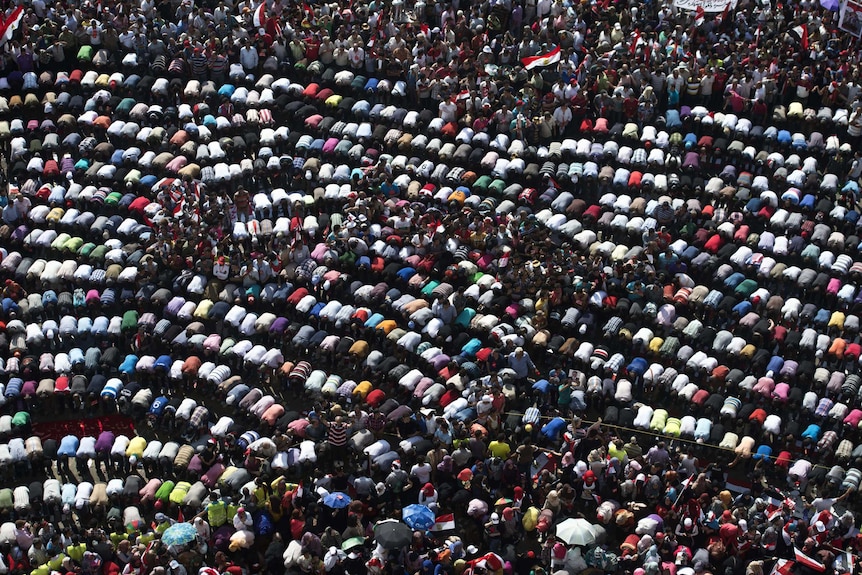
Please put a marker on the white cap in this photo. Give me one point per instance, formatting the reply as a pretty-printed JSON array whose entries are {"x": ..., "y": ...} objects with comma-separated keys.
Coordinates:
[{"x": 820, "y": 527}]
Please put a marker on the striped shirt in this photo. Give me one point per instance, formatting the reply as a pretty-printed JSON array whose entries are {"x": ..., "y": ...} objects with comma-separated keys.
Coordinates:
[
  {"x": 218, "y": 64},
  {"x": 337, "y": 434},
  {"x": 531, "y": 415},
  {"x": 199, "y": 63}
]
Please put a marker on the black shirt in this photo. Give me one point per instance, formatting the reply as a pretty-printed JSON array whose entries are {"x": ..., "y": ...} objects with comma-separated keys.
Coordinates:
[{"x": 407, "y": 427}]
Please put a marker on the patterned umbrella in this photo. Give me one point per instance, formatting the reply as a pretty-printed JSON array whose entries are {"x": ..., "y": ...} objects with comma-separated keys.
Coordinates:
[
  {"x": 179, "y": 534},
  {"x": 418, "y": 517}
]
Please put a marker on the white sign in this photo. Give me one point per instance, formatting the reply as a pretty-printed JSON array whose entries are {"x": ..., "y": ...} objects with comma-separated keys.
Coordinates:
[
  {"x": 851, "y": 18},
  {"x": 709, "y": 6}
]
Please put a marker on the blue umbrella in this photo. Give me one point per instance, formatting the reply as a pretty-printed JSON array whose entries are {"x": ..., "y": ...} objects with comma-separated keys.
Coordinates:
[
  {"x": 179, "y": 534},
  {"x": 337, "y": 500},
  {"x": 832, "y": 5},
  {"x": 418, "y": 517}
]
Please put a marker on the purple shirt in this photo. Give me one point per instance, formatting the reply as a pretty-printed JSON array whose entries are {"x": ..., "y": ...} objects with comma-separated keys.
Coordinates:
[{"x": 104, "y": 442}]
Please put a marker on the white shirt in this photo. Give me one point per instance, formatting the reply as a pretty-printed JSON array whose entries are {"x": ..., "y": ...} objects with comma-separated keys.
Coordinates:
[
  {"x": 421, "y": 472},
  {"x": 448, "y": 111},
  {"x": 562, "y": 116},
  {"x": 248, "y": 57}
]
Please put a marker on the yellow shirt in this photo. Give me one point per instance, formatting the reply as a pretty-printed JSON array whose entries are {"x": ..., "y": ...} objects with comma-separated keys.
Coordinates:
[
  {"x": 76, "y": 552},
  {"x": 136, "y": 447},
  {"x": 387, "y": 325},
  {"x": 362, "y": 389},
  {"x": 55, "y": 563},
  {"x": 613, "y": 451},
  {"x": 499, "y": 449}
]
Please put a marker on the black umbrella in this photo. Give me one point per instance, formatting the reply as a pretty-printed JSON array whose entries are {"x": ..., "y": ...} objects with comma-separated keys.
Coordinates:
[{"x": 392, "y": 534}]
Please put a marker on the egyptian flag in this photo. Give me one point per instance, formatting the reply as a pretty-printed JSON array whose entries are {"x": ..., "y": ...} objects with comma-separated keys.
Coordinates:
[
  {"x": 800, "y": 33},
  {"x": 546, "y": 59},
  {"x": 490, "y": 561},
  {"x": 258, "y": 18},
  {"x": 737, "y": 485},
  {"x": 10, "y": 24},
  {"x": 444, "y": 523},
  {"x": 809, "y": 562},
  {"x": 782, "y": 567}
]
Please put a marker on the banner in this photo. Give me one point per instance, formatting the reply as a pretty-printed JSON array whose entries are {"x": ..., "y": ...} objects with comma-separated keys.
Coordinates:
[
  {"x": 709, "y": 6},
  {"x": 851, "y": 18}
]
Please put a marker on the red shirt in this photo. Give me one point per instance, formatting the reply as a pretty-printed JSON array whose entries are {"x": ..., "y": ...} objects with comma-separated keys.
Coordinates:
[
  {"x": 312, "y": 49},
  {"x": 375, "y": 397},
  {"x": 630, "y": 107}
]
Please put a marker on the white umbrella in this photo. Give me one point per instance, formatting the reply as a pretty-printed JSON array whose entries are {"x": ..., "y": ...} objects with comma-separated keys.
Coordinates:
[{"x": 576, "y": 531}]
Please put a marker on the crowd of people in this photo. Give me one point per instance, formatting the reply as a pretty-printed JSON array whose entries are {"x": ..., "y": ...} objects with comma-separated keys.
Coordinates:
[{"x": 521, "y": 287}]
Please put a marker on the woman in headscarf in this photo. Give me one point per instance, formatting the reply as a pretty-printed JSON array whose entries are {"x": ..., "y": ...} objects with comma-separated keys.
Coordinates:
[{"x": 428, "y": 496}]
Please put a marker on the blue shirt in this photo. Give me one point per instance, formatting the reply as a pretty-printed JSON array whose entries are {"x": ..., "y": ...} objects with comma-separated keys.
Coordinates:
[
  {"x": 521, "y": 365},
  {"x": 554, "y": 428},
  {"x": 68, "y": 446}
]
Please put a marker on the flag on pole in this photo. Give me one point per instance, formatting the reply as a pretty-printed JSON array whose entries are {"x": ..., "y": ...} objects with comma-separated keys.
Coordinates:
[
  {"x": 10, "y": 24},
  {"x": 546, "y": 59},
  {"x": 809, "y": 562},
  {"x": 273, "y": 27},
  {"x": 635, "y": 42},
  {"x": 444, "y": 523},
  {"x": 309, "y": 11},
  {"x": 724, "y": 14},
  {"x": 699, "y": 16},
  {"x": 682, "y": 487},
  {"x": 259, "y": 16},
  {"x": 801, "y": 34}
]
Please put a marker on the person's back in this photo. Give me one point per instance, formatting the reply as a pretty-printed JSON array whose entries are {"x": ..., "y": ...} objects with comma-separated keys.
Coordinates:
[
  {"x": 525, "y": 453},
  {"x": 499, "y": 448},
  {"x": 658, "y": 455}
]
